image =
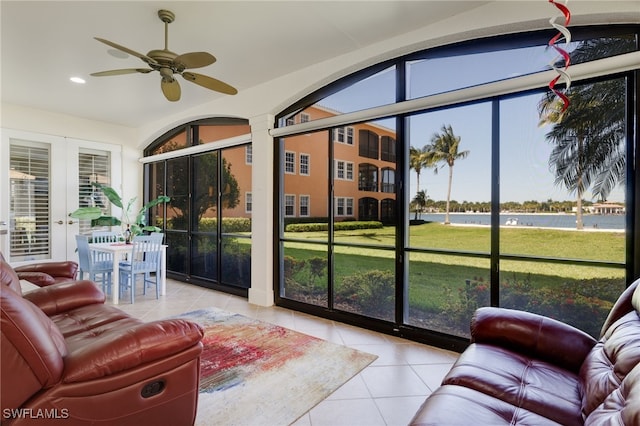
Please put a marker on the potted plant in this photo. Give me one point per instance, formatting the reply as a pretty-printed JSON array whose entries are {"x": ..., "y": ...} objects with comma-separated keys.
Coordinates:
[{"x": 136, "y": 224}]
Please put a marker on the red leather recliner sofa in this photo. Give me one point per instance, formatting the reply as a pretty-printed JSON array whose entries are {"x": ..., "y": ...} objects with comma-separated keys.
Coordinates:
[
  {"x": 67, "y": 357},
  {"x": 523, "y": 368}
]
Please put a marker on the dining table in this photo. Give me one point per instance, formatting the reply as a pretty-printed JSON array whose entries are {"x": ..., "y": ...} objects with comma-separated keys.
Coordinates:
[{"x": 119, "y": 251}]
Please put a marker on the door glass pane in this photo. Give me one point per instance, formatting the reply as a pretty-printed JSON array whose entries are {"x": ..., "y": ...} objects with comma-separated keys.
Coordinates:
[
  {"x": 306, "y": 186},
  {"x": 445, "y": 290},
  {"x": 364, "y": 184},
  {"x": 156, "y": 187},
  {"x": 178, "y": 191},
  {"x": 305, "y": 273},
  {"x": 204, "y": 196},
  {"x": 576, "y": 294},
  {"x": 365, "y": 282},
  {"x": 93, "y": 166},
  {"x": 563, "y": 193},
  {"x": 450, "y": 178},
  {"x": 236, "y": 220},
  {"x": 29, "y": 211}
]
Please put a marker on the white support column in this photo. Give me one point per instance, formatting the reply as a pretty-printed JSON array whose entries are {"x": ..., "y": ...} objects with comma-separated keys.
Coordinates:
[{"x": 262, "y": 256}]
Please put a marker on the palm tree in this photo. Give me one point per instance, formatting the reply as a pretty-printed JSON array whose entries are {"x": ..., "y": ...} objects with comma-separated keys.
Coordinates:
[
  {"x": 418, "y": 160},
  {"x": 420, "y": 201},
  {"x": 588, "y": 138},
  {"x": 444, "y": 148}
]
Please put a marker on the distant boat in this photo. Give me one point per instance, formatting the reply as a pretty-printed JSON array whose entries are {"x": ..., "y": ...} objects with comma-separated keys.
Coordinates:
[{"x": 512, "y": 221}]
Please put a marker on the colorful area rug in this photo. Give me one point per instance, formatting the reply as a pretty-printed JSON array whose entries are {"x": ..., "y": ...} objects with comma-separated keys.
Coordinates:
[{"x": 256, "y": 373}]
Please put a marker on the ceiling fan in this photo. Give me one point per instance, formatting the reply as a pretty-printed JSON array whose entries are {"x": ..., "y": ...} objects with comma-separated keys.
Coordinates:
[{"x": 168, "y": 64}]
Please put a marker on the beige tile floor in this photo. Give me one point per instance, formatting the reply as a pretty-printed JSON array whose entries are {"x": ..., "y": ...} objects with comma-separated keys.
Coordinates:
[{"x": 387, "y": 392}]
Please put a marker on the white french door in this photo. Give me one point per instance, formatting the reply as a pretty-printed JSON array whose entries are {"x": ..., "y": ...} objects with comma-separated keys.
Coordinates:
[{"x": 43, "y": 179}]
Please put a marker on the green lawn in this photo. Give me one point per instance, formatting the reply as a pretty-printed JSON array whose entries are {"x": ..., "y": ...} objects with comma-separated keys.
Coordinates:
[{"x": 435, "y": 279}]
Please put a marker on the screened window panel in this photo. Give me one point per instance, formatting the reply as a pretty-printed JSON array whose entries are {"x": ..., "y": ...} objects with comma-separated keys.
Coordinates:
[{"x": 29, "y": 210}]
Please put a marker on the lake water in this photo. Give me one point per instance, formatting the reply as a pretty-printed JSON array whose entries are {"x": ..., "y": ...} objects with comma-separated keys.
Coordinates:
[{"x": 535, "y": 220}]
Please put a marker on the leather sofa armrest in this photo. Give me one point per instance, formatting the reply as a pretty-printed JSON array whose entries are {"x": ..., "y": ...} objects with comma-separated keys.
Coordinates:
[
  {"x": 67, "y": 269},
  {"x": 63, "y": 297},
  {"x": 40, "y": 279},
  {"x": 532, "y": 335},
  {"x": 120, "y": 350}
]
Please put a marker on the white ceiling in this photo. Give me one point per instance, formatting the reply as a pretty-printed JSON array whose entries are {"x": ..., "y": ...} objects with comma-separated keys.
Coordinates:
[{"x": 45, "y": 43}]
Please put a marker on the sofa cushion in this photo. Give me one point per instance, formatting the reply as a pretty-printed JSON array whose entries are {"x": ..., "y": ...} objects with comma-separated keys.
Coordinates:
[
  {"x": 458, "y": 405},
  {"x": 534, "y": 385},
  {"x": 621, "y": 406},
  {"x": 94, "y": 319},
  {"x": 617, "y": 353}
]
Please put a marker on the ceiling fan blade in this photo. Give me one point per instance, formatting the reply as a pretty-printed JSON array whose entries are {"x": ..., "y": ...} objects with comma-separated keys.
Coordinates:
[
  {"x": 120, "y": 72},
  {"x": 127, "y": 50},
  {"x": 194, "y": 60},
  {"x": 209, "y": 83},
  {"x": 171, "y": 89}
]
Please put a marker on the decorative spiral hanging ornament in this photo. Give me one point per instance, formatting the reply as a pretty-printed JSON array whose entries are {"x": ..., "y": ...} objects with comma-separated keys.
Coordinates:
[{"x": 563, "y": 76}]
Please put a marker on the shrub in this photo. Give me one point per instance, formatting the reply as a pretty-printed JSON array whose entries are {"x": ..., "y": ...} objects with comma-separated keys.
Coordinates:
[
  {"x": 371, "y": 293},
  {"x": 337, "y": 226}
]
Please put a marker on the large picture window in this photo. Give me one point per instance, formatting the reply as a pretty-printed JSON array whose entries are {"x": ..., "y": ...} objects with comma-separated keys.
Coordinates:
[{"x": 473, "y": 191}]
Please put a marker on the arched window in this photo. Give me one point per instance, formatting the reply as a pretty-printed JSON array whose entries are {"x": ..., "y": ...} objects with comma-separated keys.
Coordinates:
[
  {"x": 368, "y": 144},
  {"x": 367, "y": 177},
  {"x": 388, "y": 180},
  {"x": 388, "y": 149},
  {"x": 367, "y": 209},
  {"x": 388, "y": 211}
]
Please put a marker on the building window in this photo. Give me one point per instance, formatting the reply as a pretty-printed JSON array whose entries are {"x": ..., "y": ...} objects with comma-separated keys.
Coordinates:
[
  {"x": 289, "y": 205},
  {"x": 344, "y": 206},
  {"x": 248, "y": 154},
  {"x": 290, "y": 162},
  {"x": 388, "y": 149},
  {"x": 291, "y": 121},
  {"x": 367, "y": 177},
  {"x": 367, "y": 209},
  {"x": 388, "y": 180},
  {"x": 349, "y": 171},
  {"x": 368, "y": 147},
  {"x": 344, "y": 170},
  {"x": 343, "y": 135},
  {"x": 388, "y": 211},
  {"x": 349, "y": 139},
  {"x": 304, "y": 205},
  {"x": 248, "y": 202},
  {"x": 305, "y": 160},
  {"x": 304, "y": 117}
]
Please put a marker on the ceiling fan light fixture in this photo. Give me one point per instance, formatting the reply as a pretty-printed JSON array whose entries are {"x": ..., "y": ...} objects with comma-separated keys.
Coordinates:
[{"x": 168, "y": 64}]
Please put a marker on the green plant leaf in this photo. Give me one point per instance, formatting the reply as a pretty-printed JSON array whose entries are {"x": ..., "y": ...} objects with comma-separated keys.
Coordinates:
[
  {"x": 106, "y": 221},
  {"x": 110, "y": 193},
  {"x": 161, "y": 199},
  {"x": 86, "y": 213}
]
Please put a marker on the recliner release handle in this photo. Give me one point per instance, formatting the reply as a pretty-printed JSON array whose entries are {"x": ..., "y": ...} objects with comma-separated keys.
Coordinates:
[{"x": 153, "y": 388}]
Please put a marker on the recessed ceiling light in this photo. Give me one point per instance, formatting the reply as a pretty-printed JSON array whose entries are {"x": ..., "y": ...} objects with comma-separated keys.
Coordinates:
[{"x": 78, "y": 80}]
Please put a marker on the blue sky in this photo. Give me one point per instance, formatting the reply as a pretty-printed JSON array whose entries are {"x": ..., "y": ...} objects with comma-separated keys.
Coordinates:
[{"x": 524, "y": 170}]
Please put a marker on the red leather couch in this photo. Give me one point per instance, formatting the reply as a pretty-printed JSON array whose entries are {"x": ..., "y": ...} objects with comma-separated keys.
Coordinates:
[
  {"x": 523, "y": 368},
  {"x": 68, "y": 358}
]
